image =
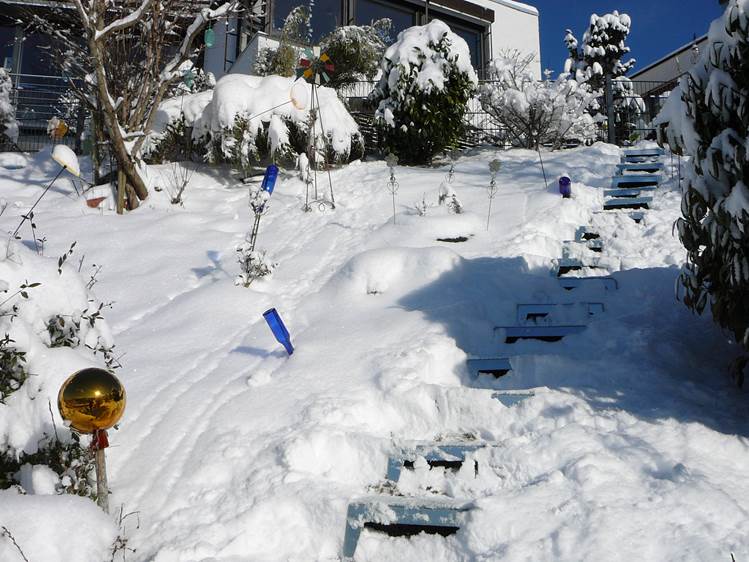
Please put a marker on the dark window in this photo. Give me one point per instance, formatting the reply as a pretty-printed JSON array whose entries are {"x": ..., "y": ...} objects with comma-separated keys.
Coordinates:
[
  {"x": 7, "y": 40},
  {"x": 326, "y": 15},
  {"x": 401, "y": 17},
  {"x": 473, "y": 38},
  {"x": 35, "y": 57},
  {"x": 472, "y": 34}
]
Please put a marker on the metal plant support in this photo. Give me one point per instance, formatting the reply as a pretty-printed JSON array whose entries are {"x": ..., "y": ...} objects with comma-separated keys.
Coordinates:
[
  {"x": 392, "y": 186},
  {"x": 494, "y": 167}
]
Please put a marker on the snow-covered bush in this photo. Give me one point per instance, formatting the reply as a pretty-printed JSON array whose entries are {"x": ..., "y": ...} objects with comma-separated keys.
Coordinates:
[
  {"x": 707, "y": 118},
  {"x": 427, "y": 80},
  {"x": 356, "y": 51},
  {"x": 532, "y": 112},
  {"x": 50, "y": 327},
  {"x": 283, "y": 59},
  {"x": 8, "y": 124},
  {"x": 243, "y": 126}
]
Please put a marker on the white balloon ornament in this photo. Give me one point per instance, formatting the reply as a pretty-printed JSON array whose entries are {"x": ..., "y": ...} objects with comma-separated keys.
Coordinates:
[
  {"x": 299, "y": 94},
  {"x": 66, "y": 158}
]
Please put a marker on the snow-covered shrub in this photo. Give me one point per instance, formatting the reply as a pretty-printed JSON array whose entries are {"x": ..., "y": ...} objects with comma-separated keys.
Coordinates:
[
  {"x": 427, "y": 80},
  {"x": 244, "y": 126},
  {"x": 171, "y": 138},
  {"x": 283, "y": 59},
  {"x": 707, "y": 118},
  {"x": 50, "y": 327},
  {"x": 356, "y": 51},
  {"x": 8, "y": 124},
  {"x": 533, "y": 112}
]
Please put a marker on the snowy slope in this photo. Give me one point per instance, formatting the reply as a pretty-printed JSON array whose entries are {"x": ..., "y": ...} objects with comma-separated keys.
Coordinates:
[{"x": 632, "y": 448}]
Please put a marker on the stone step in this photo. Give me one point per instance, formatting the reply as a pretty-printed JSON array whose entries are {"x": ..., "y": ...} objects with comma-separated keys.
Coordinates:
[
  {"x": 511, "y": 334},
  {"x": 446, "y": 455},
  {"x": 627, "y": 203},
  {"x": 605, "y": 282}
]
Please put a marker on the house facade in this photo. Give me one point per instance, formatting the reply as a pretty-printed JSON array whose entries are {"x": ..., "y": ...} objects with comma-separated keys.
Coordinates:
[{"x": 488, "y": 26}]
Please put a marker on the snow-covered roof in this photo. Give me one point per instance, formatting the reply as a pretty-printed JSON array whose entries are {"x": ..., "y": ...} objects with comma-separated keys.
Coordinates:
[
  {"x": 673, "y": 53},
  {"x": 527, "y": 8}
]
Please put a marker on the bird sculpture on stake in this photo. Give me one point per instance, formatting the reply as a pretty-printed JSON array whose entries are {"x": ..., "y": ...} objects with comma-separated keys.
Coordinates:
[
  {"x": 314, "y": 68},
  {"x": 92, "y": 401}
]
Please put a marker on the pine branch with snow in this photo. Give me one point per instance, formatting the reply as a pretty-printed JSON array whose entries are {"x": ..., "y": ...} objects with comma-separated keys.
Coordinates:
[{"x": 707, "y": 118}]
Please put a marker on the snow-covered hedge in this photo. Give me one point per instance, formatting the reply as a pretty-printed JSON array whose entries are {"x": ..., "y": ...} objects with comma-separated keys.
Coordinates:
[
  {"x": 50, "y": 327},
  {"x": 220, "y": 119},
  {"x": 427, "y": 80},
  {"x": 533, "y": 112},
  {"x": 707, "y": 117}
]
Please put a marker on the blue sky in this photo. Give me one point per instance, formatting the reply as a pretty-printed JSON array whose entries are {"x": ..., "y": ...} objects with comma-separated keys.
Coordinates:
[{"x": 658, "y": 26}]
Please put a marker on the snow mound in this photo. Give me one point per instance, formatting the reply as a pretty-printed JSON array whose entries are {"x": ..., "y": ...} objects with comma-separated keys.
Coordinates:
[
  {"x": 46, "y": 531},
  {"x": 382, "y": 270}
]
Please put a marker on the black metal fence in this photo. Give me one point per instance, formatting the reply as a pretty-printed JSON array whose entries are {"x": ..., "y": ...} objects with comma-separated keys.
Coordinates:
[{"x": 37, "y": 100}]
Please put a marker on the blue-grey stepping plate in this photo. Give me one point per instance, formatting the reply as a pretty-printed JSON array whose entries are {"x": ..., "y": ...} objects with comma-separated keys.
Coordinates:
[
  {"x": 627, "y": 203},
  {"x": 512, "y": 334},
  {"x": 605, "y": 282},
  {"x": 446, "y": 455},
  {"x": 402, "y": 516}
]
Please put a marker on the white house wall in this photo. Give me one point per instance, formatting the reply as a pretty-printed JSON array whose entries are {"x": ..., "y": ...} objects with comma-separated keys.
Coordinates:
[{"x": 515, "y": 27}]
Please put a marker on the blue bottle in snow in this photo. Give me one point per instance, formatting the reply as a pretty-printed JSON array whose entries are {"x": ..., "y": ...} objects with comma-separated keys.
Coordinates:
[
  {"x": 269, "y": 180},
  {"x": 278, "y": 328},
  {"x": 565, "y": 187}
]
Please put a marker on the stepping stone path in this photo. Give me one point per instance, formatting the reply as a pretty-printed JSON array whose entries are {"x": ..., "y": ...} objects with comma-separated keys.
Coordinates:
[
  {"x": 629, "y": 183},
  {"x": 406, "y": 516}
]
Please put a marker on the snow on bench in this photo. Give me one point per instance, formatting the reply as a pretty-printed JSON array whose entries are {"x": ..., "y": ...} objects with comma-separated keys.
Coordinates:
[
  {"x": 512, "y": 334},
  {"x": 402, "y": 517},
  {"x": 647, "y": 167},
  {"x": 448, "y": 455},
  {"x": 497, "y": 367},
  {"x": 639, "y": 181},
  {"x": 571, "y": 283},
  {"x": 536, "y": 314},
  {"x": 627, "y": 203}
]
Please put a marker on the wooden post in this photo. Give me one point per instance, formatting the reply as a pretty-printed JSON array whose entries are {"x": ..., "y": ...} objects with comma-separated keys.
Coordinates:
[
  {"x": 102, "y": 487},
  {"x": 121, "y": 187}
]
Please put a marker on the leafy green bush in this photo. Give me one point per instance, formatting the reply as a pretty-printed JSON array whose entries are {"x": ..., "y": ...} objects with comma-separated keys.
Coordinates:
[
  {"x": 356, "y": 51},
  {"x": 421, "y": 101}
]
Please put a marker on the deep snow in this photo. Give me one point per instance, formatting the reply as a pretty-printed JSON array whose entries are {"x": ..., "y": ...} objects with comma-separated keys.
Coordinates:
[{"x": 633, "y": 448}]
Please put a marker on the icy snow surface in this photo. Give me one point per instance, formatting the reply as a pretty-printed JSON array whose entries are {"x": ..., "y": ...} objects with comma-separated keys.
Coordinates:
[{"x": 634, "y": 447}]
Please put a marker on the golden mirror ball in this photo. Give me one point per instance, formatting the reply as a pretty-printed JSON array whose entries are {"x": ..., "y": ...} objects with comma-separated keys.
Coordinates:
[{"x": 91, "y": 399}]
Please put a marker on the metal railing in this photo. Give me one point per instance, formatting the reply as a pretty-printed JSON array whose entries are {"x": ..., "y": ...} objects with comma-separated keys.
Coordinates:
[{"x": 37, "y": 99}]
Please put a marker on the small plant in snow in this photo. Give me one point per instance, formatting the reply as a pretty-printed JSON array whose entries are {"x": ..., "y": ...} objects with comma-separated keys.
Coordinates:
[
  {"x": 447, "y": 196},
  {"x": 421, "y": 207},
  {"x": 12, "y": 368},
  {"x": 253, "y": 264}
]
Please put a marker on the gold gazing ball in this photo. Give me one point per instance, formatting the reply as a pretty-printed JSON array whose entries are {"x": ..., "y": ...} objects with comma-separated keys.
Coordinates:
[{"x": 91, "y": 399}]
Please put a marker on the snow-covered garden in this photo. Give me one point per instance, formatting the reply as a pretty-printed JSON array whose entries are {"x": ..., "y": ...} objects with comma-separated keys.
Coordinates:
[{"x": 601, "y": 424}]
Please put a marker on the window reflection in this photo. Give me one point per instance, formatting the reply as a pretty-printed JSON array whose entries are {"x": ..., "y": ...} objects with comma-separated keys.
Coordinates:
[
  {"x": 326, "y": 15},
  {"x": 368, "y": 11},
  {"x": 7, "y": 40}
]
